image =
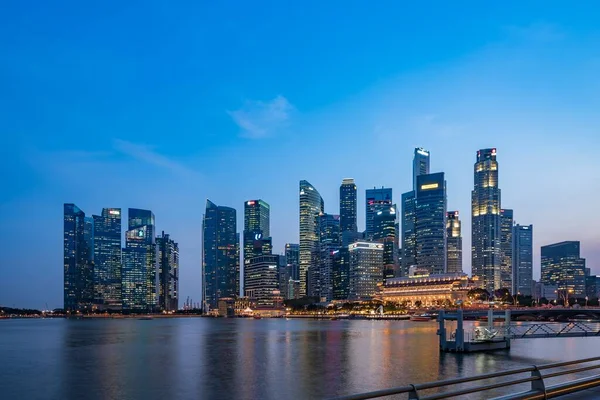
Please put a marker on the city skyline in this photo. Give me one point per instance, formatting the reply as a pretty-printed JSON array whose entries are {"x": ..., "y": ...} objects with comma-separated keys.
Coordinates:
[{"x": 114, "y": 118}]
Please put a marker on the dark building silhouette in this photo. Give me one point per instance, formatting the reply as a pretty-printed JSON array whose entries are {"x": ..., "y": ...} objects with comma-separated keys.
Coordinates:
[
  {"x": 384, "y": 231},
  {"x": 506, "y": 248},
  {"x": 311, "y": 206},
  {"x": 430, "y": 223},
  {"x": 256, "y": 235},
  {"x": 375, "y": 198},
  {"x": 168, "y": 272},
  {"x": 107, "y": 259},
  {"x": 321, "y": 283},
  {"x": 522, "y": 259},
  {"x": 348, "y": 206}
]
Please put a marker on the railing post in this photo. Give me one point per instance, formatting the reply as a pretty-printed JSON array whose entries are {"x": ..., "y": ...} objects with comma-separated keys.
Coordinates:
[
  {"x": 413, "y": 394},
  {"x": 442, "y": 330},
  {"x": 490, "y": 318},
  {"x": 538, "y": 385},
  {"x": 460, "y": 332}
]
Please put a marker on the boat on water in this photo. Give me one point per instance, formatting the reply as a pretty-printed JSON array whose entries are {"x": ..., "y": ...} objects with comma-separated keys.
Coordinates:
[
  {"x": 421, "y": 317},
  {"x": 257, "y": 317}
]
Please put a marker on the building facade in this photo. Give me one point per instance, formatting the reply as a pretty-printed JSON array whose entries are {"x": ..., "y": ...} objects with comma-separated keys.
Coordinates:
[
  {"x": 321, "y": 284},
  {"x": 348, "y": 206},
  {"x": 257, "y": 232},
  {"x": 384, "y": 232},
  {"x": 107, "y": 259},
  {"x": 168, "y": 272},
  {"x": 485, "y": 221},
  {"x": 430, "y": 223},
  {"x": 341, "y": 273},
  {"x": 522, "y": 259},
  {"x": 506, "y": 248},
  {"x": 311, "y": 206},
  {"x": 220, "y": 254},
  {"x": 563, "y": 267},
  {"x": 365, "y": 270},
  {"x": 427, "y": 290},
  {"x": 453, "y": 243},
  {"x": 375, "y": 198},
  {"x": 262, "y": 280},
  {"x": 409, "y": 234}
]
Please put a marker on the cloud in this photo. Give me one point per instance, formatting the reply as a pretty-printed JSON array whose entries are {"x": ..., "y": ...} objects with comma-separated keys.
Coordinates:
[
  {"x": 259, "y": 119},
  {"x": 145, "y": 153}
]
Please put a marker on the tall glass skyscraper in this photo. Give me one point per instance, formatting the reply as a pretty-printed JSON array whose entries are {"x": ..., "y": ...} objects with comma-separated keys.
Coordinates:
[
  {"x": 453, "y": 243},
  {"x": 330, "y": 240},
  {"x": 311, "y": 206},
  {"x": 107, "y": 259},
  {"x": 420, "y": 164},
  {"x": 375, "y": 198},
  {"x": 292, "y": 259},
  {"x": 486, "y": 253},
  {"x": 168, "y": 272},
  {"x": 522, "y": 259},
  {"x": 348, "y": 206},
  {"x": 384, "y": 231},
  {"x": 366, "y": 269},
  {"x": 220, "y": 254},
  {"x": 562, "y": 266},
  {"x": 506, "y": 248},
  {"x": 341, "y": 273},
  {"x": 430, "y": 223},
  {"x": 257, "y": 234},
  {"x": 78, "y": 267},
  {"x": 262, "y": 281}
]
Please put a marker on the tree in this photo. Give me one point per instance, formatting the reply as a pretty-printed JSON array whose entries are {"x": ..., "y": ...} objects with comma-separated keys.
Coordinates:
[{"x": 478, "y": 294}]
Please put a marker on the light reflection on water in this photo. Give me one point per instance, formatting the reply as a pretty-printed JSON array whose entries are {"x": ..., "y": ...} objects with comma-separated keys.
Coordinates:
[{"x": 241, "y": 358}]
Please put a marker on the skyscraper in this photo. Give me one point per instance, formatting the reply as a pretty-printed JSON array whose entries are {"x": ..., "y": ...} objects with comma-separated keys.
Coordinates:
[
  {"x": 562, "y": 266},
  {"x": 366, "y": 269},
  {"x": 348, "y": 206},
  {"x": 321, "y": 284},
  {"x": 78, "y": 267},
  {"x": 430, "y": 217},
  {"x": 485, "y": 232},
  {"x": 453, "y": 243},
  {"x": 311, "y": 206},
  {"x": 262, "y": 281},
  {"x": 292, "y": 258},
  {"x": 220, "y": 254},
  {"x": 522, "y": 259},
  {"x": 107, "y": 259},
  {"x": 506, "y": 248},
  {"x": 375, "y": 198},
  {"x": 384, "y": 231},
  {"x": 341, "y": 273},
  {"x": 409, "y": 234},
  {"x": 420, "y": 164},
  {"x": 168, "y": 272},
  {"x": 257, "y": 234}
]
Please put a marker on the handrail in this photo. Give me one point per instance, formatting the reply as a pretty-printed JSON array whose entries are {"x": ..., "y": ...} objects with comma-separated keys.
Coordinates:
[{"x": 538, "y": 389}]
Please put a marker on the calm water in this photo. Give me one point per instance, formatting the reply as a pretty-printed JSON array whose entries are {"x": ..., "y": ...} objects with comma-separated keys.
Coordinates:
[{"x": 201, "y": 358}]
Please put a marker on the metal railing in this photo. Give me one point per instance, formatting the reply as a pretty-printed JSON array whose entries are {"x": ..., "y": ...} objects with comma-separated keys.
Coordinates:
[{"x": 538, "y": 390}]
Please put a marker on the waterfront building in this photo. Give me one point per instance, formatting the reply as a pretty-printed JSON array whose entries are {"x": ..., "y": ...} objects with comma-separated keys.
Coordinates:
[
  {"x": 292, "y": 258},
  {"x": 78, "y": 266},
  {"x": 562, "y": 266},
  {"x": 321, "y": 284},
  {"x": 506, "y": 248},
  {"x": 365, "y": 270},
  {"x": 348, "y": 206},
  {"x": 522, "y": 259},
  {"x": 428, "y": 290},
  {"x": 409, "y": 235},
  {"x": 220, "y": 254},
  {"x": 341, "y": 273},
  {"x": 453, "y": 243},
  {"x": 311, "y": 206},
  {"x": 485, "y": 220},
  {"x": 262, "y": 280},
  {"x": 88, "y": 235},
  {"x": 375, "y": 198},
  {"x": 540, "y": 291},
  {"x": 257, "y": 234},
  {"x": 168, "y": 272},
  {"x": 107, "y": 259},
  {"x": 384, "y": 231},
  {"x": 430, "y": 223}
]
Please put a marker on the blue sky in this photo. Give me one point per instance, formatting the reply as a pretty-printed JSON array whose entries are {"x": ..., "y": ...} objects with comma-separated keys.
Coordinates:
[{"x": 161, "y": 106}]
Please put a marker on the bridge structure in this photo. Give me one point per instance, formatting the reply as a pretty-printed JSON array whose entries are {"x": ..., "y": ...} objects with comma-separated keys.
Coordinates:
[{"x": 496, "y": 336}]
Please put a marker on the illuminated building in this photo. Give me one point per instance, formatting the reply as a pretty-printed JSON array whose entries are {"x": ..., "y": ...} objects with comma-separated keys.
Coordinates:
[
  {"x": 384, "y": 231},
  {"x": 107, "y": 259},
  {"x": 256, "y": 236},
  {"x": 262, "y": 281},
  {"x": 168, "y": 272},
  {"x": 220, "y": 254},
  {"x": 348, "y": 206},
  {"x": 430, "y": 223},
  {"x": 506, "y": 248},
  {"x": 429, "y": 290},
  {"x": 311, "y": 206},
  {"x": 453, "y": 243},
  {"x": 365, "y": 269},
  {"x": 420, "y": 164},
  {"x": 321, "y": 282},
  {"x": 485, "y": 220},
  {"x": 341, "y": 273},
  {"x": 78, "y": 267},
  {"x": 375, "y": 198},
  {"x": 292, "y": 259},
  {"x": 562, "y": 266},
  {"x": 522, "y": 259}
]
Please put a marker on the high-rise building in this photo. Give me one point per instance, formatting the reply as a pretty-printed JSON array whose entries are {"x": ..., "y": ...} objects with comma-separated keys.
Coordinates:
[
  {"x": 88, "y": 234},
  {"x": 292, "y": 259},
  {"x": 453, "y": 243},
  {"x": 262, "y": 280},
  {"x": 375, "y": 198},
  {"x": 256, "y": 236},
  {"x": 348, "y": 206},
  {"x": 365, "y": 269},
  {"x": 168, "y": 272},
  {"x": 522, "y": 259},
  {"x": 420, "y": 164},
  {"x": 78, "y": 267},
  {"x": 311, "y": 206},
  {"x": 562, "y": 266},
  {"x": 107, "y": 259},
  {"x": 430, "y": 223},
  {"x": 220, "y": 254},
  {"x": 409, "y": 235},
  {"x": 321, "y": 282},
  {"x": 485, "y": 219},
  {"x": 506, "y": 248},
  {"x": 140, "y": 277},
  {"x": 384, "y": 231},
  {"x": 341, "y": 273}
]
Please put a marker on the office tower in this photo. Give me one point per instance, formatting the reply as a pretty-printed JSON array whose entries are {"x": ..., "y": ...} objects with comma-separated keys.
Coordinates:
[
  {"x": 262, "y": 280},
  {"x": 256, "y": 228},
  {"x": 78, "y": 267},
  {"x": 485, "y": 219},
  {"x": 348, "y": 206},
  {"x": 374, "y": 199},
  {"x": 420, "y": 164},
  {"x": 522, "y": 259},
  {"x": 384, "y": 231},
  {"x": 506, "y": 248},
  {"x": 284, "y": 276},
  {"x": 88, "y": 235},
  {"x": 430, "y": 223},
  {"x": 409, "y": 234},
  {"x": 562, "y": 266},
  {"x": 341, "y": 273},
  {"x": 321, "y": 282},
  {"x": 366, "y": 269},
  {"x": 107, "y": 259},
  {"x": 220, "y": 254},
  {"x": 453, "y": 243},
  {"x": 292, "y": 258},
  {"x": 168, "y": 272},
  {"x": 311, "y": 206}
]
